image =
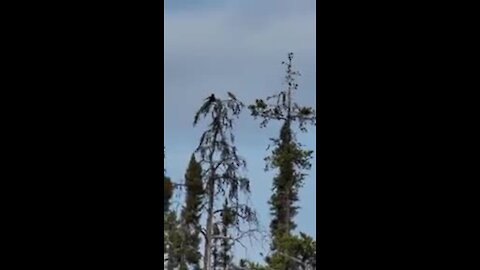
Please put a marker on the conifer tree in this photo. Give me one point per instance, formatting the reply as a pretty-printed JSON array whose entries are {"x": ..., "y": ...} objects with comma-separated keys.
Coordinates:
[
  {"x": 190, "y": 217},
  {"x": 167, "y": 189},
  {"x": 173, "y": 238},
  {"x": 299, "y": 252},
  {"x": 288, "y": 157},
  {"x": 224, "y": 251},
  {"x": 222, "y": 165},
  {"x": 167, "y": 194}
]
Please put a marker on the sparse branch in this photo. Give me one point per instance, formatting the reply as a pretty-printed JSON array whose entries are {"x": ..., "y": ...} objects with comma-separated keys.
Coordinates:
[
  {"x": 293, "y": 259},
  {"x": 221, "y": 163},
  {"x": 203, "y": 232},
  {"x": 239, "y": 237}
]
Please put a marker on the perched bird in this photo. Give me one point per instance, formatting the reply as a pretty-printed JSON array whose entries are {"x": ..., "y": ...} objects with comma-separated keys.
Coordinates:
[
  {"x": 212, "y": 98},
  {"x": 205, "y": 108},
  {"x": 232, "y": 96}
]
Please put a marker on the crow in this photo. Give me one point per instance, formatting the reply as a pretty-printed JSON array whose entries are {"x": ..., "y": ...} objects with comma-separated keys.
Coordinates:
[
  {"x": 211, "y": 98},
  {"x": 232, "y": 96}
]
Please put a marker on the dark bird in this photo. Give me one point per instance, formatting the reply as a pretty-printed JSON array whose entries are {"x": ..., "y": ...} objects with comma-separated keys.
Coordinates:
[
  {"x": 209, "y": 102},
  {"x": 232, "y": 96},
  {"x": 212, "y": 98}
]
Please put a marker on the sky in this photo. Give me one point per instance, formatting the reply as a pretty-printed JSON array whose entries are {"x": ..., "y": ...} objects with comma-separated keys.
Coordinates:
[{"x": 215, "y": 46}]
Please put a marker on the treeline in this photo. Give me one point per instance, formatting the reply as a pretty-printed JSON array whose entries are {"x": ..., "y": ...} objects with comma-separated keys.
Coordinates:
[{"x": 215, "y": 209}]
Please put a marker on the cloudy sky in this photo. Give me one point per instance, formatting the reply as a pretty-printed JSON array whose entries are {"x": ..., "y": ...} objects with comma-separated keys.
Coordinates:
[{"x": 215, "y": 46}]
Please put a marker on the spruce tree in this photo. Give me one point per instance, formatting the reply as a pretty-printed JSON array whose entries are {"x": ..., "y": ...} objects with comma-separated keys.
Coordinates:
[
  {"x": 288, "y": 157},
  {"x": 224, "y": 251},
  {"x": 222, "y": 165},
  {"x": 190, "y": 216},
  {"x": 175, "y": 238},
  {"x": 299, "y": 252},
  {"x": 167, "y": 194},
  {"x": 167, "y": 189}
]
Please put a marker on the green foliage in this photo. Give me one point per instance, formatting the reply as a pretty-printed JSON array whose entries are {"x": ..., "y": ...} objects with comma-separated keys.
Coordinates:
[
  {"x": 290, "y": 159},
  {"x": 167, "y": 192},
  {"x": 173, "y": 239},
  {"x": 190, "y": 226},
  {"x": 167, "y": 189},
  {"x": 287, "y": 157},
  {"x": 298, "y": 252},
  {"x": 223, "y": 254},
  {"x": 246, "y": 264}
]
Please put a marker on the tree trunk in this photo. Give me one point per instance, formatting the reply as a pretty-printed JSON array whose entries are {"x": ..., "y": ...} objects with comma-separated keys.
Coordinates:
[
  {"x": 211, "y": 199},
  {"x": 208, "y": 241}
]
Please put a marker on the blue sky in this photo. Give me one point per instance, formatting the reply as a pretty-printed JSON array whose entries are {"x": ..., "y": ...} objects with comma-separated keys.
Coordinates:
[{"x": 215, "y": 46}]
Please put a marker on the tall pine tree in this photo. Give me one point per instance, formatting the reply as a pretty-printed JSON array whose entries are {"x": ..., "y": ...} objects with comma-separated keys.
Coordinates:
[
  {"x": 167, "y": 190},
  {"x": 288, "y": 157},
  {"x": 190, "y": 217},
  {"x": 223, "y": 248},
  {"x": 167, "y": 194},
  {"x": 222, "y": 179}
]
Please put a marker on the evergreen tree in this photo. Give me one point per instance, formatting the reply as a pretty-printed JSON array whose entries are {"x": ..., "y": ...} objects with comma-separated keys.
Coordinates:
[
  {"x": 167, "y": 194},
  {"x": 224, "y": 256},
  {"x": 248, "y": 265},
  {"x": 171, "y": 235},
  {"x": 222, "y": 179},
  {"x": 191, "y": 213},
  {"x": 298, "y": 252},
  {"x": 288, "y": 157},
  {"x": 167, "y": 189}
]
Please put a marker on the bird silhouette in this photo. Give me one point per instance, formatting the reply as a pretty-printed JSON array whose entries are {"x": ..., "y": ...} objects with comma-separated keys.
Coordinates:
[
  {"x": 232, "y": 96},
  {"x": 211, "y": 98}
]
